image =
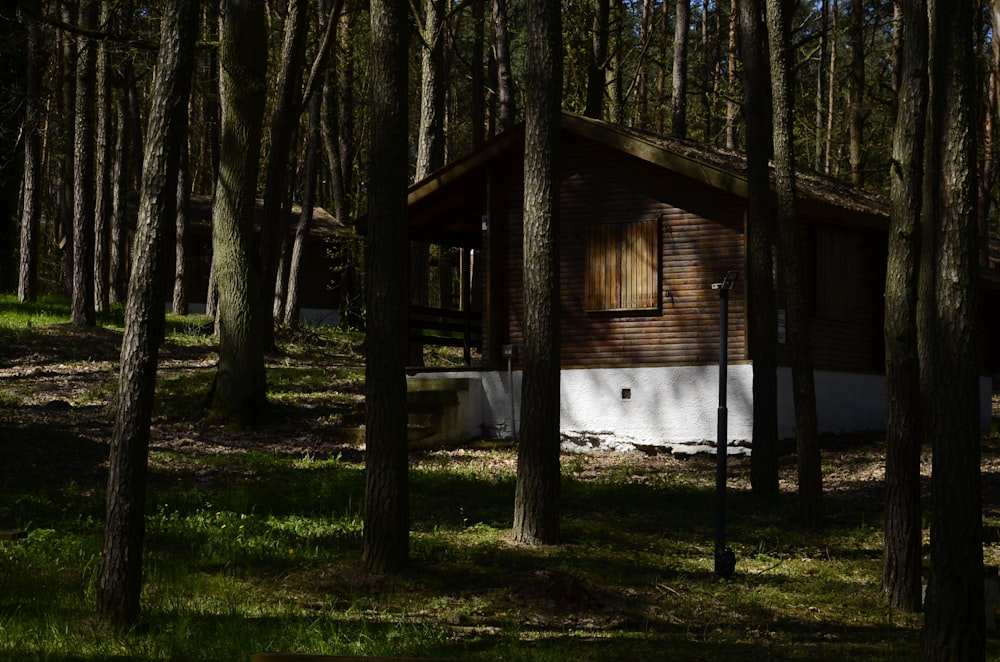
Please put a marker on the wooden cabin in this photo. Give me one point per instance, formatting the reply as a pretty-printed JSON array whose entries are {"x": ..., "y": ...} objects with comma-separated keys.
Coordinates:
[{"x": 646, "y": 226}]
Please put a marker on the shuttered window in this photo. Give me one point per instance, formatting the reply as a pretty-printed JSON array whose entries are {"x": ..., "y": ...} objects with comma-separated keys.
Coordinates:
[
  {"x": 836, "y": 274},
  {"x": 623, "y": 266}
]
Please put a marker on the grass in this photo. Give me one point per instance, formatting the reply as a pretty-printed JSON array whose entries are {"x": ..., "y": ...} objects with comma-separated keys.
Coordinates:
[{"x": 253, "y": 539}]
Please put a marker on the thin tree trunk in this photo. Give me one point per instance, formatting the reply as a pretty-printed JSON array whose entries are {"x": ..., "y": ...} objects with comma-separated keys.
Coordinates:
[
  {"x": 536, "y": 502},
  {"x": 731, "y": 73},
  {"x": 120, "y": 582},
  {"x": 597, "y": 63},
  {"x": 821, "y": 74},
  {"x": 103, "y": 169},
  {"x": 31, "y": 200},
  {"x": 83, "y": 313},
  {"x": 856, "y": 90},
  {"x": 790, "y": 249},
  {"x": 678, "y": 104},
  {"x": 903, "y": 535},
  {"x": 501, "y": 55},
  {"x": 284, "y": 123},
  {"x": 477, "y": 104},
  {"x": 430, "y": 146},
  {"x": 831, "y": 89},
  {"x": 180, "y": 302},
  {"x": 313, "y": 146}
]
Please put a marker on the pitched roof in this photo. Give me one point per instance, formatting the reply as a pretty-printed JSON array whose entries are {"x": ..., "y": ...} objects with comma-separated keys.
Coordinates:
[{"x": 447, "y": 205}]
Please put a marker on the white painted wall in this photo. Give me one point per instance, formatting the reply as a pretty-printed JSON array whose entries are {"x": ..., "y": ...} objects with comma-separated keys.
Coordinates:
[{"x": 676, "y": 408}]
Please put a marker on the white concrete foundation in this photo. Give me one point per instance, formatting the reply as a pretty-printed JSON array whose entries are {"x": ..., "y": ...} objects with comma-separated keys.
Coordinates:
[{"x": 676, "y": 408}]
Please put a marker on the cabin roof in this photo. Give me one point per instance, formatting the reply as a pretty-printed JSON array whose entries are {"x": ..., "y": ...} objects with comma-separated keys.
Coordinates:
[{"x": 447, "y": 205}]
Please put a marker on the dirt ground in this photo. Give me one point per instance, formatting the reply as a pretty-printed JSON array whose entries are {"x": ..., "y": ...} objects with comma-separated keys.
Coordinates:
[{"x": 56, "y": 384}]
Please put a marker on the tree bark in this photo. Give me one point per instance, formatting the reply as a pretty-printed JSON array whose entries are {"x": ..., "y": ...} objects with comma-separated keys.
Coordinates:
[
  {"x": 903, "y": 534},
  {"x": 501, "y": 56},
  {"x": 180, "y": 302},
  {"x": 536, "y": 502},
  {"x": 790, "y": 249},
  {"x": 313, "y": 146},
  {"x": 239, "y": 392},
  {"x": 83, "y": 312},
  {"x": 120, "y": 581},
  {"x": 598, "y": 61},
  {"x": 386, "y": 510},
  {"x": 856, "y": 88},
  {"x": 678, "y": 102},
  {"x": 31, "y": 198},
  {"x": 284, "y": 123},
  {"x": 762, "y": 309},
  {"x": 477, "y": 104},
  {"x": 430, "y": 146},
  {"x": 954, "y": 627},
  {"x": 103, "y": 169}
]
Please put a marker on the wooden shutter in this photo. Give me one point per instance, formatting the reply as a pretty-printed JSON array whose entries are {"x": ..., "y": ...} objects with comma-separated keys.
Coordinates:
[{"x": 623, "y": 266}]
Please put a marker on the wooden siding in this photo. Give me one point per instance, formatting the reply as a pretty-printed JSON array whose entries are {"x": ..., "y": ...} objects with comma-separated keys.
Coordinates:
[
  {"x": 847, "y": 337},
  {"x": 700, "y": 239}
]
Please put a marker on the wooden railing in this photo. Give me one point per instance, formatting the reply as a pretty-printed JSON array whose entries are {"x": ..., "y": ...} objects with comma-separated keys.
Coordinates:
[{"x": 449, "y": 328}]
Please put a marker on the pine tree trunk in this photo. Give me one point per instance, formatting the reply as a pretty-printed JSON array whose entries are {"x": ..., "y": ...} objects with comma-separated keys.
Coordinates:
[
  {"x": 903, "y": 534},
  {"x": 387, "y": 516},
  {"x": 284, "y": 123},
  {"x": 180, "y": 302},
  {"x": 31, "y": 201},
  {"x": 83, "y": 313},
  {"x": 477, "y": 104},
  {"x": 855, "y": 124},
  {"x": 313, "y": 145},
  {"x": 103, "y": 169},
  {"x": 678, "y": 103},
  {"x": 762, "y": 315},
  {"x": 790, "y": 249},
  {"x": 536, "y": 502},
  {"x": 239, "y": 392},
  {"x": 501, "y": 56},
  {"x": 597, "y": 63},
  {"x": 120, "y": 582},
  {"x": 954, "y": 628}
]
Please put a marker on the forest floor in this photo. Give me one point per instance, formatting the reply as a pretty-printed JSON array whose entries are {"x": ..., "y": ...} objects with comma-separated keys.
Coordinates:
[{"x": 255, "y": 534}]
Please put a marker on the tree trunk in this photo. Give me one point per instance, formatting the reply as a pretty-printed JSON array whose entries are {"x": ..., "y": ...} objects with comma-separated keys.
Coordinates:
[
  {"x": 477, "y": 104},
  {"x": 598, "y": 61},
  {"x": 239, "y": 392},
  {"x": 313, "y": 145},
  {"x": 430, "y": 146},
  {"x": 31, "y": 199},
  {"x": 731, "y": 75},
  {"x": 387, "y": 516},
  {"x": 120, "y": 581},
  {"x": 501, "y": 56},
  {"x": 856, "y": 90},
  {"x": 903, "y": 535},
  {"x": 821, "y": 74},
  {"x": 124, "y": 146},
  {"x": 790, "y": 250},
  {"x": 180, "y": 302},
  {"x": 103, "y": 169},
  {"x": 678, "y": 103},
  {"x": 284, "y": 123},
  {"x": 954, "y": 628},
  {"x": 831, "y": 90},
  {"x": 83, "y": 313},
  {"x": 762, "y": 319},
  {"x": 536, "y": 502}
]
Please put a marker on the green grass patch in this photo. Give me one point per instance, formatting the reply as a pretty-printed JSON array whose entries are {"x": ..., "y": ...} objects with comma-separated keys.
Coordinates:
[{"x": 254, "y": 537}]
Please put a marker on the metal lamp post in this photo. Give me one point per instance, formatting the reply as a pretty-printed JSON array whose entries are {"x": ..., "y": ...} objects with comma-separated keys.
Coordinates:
[{"x": 725, "y": 558}]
